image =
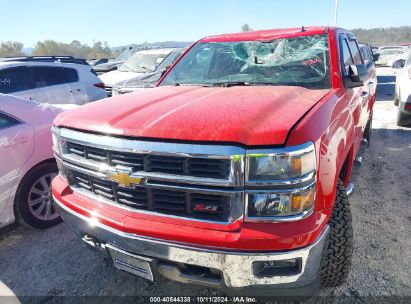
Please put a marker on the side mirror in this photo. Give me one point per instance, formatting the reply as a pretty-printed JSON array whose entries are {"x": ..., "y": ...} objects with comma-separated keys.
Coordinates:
[
  {"x": 399, "y": 64},
  {"x": 165, "y": 70},
  {"x": 357, "y": 74},
  {"x": 375, "y": 57}
]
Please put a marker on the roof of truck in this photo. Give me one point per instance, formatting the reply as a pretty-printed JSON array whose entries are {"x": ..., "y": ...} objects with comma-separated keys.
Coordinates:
[{"x": 265, "y": 35}]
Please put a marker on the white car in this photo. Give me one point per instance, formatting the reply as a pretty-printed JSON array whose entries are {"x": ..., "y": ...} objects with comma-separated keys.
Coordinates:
[
  {"x": 141, "y": 63},
  {"x": 402, "y": 96},
  {"x": 387, "y": 57},
  {"x": 27, "y": 164},
  {"x": 50, "y": 82}
]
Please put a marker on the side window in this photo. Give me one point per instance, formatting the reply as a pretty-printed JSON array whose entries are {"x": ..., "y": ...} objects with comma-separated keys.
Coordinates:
[
  {"x": 355, "y": 51},
  {"x": 365, "y": 53},
  {"x": 13, "y": 80},
  {"x": 7, "y": 121},
  {"x": 47, "y": 76},
  {"x": 195, "y": 65},
  {"x": 346, "y": 57},
  {"x": 71, "y": 75}
]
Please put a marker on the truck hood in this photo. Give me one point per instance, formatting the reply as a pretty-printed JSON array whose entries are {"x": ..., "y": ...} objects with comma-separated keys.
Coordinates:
[{"x": 248, "y": 115}]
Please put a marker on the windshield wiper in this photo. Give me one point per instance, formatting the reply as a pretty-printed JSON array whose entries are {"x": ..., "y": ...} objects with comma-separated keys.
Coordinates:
[{"x": 226, "y": 84}]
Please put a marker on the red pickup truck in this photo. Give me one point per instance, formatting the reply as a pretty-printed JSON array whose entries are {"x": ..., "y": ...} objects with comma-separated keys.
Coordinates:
[{"x": 234, "y": 171}]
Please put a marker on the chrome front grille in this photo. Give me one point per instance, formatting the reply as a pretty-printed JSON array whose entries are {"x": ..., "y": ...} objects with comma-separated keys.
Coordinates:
[
  {"x": 195, "y": 182},
  {"x": 197, "y": 167},
  {"x": 173, "y": 202},
  {"x": 109, "y": 90}
]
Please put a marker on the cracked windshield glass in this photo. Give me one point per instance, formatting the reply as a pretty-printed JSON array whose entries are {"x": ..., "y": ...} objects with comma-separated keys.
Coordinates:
[{"x": 301, "y": 61}]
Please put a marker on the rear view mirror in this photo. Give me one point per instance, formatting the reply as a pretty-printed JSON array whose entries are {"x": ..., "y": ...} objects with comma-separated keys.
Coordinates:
[
  {"x": 399, "y": 64},
  {"x": 375, "y": 57},
  {"x": 357, "y": 74}
]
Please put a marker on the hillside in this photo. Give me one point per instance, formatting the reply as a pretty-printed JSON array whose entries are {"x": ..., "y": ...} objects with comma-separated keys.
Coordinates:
[{"x": 384, "y": 36}]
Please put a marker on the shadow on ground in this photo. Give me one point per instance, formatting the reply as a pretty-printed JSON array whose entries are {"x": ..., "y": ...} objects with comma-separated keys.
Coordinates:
[{"x": 385, "y": 88}]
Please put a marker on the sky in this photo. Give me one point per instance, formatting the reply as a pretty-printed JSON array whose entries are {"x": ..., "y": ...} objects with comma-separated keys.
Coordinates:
[{"x": 125, "y": 22}]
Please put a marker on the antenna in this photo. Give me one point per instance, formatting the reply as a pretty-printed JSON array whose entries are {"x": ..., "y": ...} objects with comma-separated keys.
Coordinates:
[{"x": 336, "y": 13}]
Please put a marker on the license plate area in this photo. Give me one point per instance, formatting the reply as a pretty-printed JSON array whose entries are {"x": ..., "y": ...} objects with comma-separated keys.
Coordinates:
[{"x": 134, "y": 264}]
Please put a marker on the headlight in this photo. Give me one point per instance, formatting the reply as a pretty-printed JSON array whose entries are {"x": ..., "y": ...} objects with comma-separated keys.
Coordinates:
[
  {"x": 277, "y": 206},
  {"x": 288, "y": 178},
  {"x": 285, "y": 164}
]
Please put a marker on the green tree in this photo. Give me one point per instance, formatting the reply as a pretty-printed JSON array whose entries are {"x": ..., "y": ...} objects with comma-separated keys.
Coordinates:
[
  {"x": 75, "y": 48},
  {"x": 11, "y": 48}
]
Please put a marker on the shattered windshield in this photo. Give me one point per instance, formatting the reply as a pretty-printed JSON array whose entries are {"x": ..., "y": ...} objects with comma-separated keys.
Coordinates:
[
  {"x": 300, "y": 61},
  {"x": 142, "y": 62}
]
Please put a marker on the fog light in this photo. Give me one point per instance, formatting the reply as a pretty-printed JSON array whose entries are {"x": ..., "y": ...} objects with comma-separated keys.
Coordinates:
[{"x": 267, "y": 269}]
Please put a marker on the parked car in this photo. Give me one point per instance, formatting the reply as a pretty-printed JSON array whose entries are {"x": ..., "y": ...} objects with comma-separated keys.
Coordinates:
[
  {"x": 392, "y": 47},
  {"x": 138, "y": 65},
  {"x": 94, "y": 62},
  {"x": 148, "y": 80},
  {"x": 50, "y": 82},
  {"x": 402, "y": 96},
  {"x": 27, "y": 164},
  {"x": 234, "y": 171},
  {"x": 112, "y": 65},
  {"x": 387, "y": 57}
]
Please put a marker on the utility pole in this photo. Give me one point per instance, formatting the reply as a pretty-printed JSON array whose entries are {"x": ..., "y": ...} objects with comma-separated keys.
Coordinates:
[{"x": 336, "y": 13}]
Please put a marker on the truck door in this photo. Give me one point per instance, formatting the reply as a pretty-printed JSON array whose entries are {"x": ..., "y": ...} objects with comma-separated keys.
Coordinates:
[
  {"x": 357, "y": 97},
  {"x": 367, "y": 90}
]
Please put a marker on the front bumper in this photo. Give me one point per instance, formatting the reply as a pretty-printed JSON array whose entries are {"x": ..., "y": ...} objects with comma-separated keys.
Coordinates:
[{"x": 236, "y": 268}]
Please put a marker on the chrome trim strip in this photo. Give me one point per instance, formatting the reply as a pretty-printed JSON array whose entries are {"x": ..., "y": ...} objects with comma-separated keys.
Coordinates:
[
  {"x": 236, "y": 216},
  {"x": 71, "y": 160},
  {"x": 235, "y": 266},
  {"x": 150, "y": 147},
  {"x": 294, "y": 150}
]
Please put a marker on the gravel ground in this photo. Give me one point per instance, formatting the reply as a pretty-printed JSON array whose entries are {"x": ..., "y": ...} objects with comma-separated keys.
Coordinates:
[{"x": 37, "y": 265}]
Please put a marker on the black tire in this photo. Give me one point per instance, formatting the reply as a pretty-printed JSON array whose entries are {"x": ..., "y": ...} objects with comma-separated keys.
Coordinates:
[
  {"x": 403, "y": 119},
  {"x": 25, "y": 214},
  {"x": 336, "y": 262}
]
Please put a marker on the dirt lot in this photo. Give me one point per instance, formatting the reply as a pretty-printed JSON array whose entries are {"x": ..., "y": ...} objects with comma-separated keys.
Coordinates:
[{"x": 55, "y": 262}]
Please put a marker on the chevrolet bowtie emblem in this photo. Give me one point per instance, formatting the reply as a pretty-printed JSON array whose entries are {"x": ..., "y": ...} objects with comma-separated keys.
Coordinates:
[{"x": 124, "y": 179}]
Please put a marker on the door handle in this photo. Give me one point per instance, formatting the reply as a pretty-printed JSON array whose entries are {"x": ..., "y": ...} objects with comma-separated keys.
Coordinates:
[
  {"x": 370, "y": 83},
  {"x": 365, "y": 94}
]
